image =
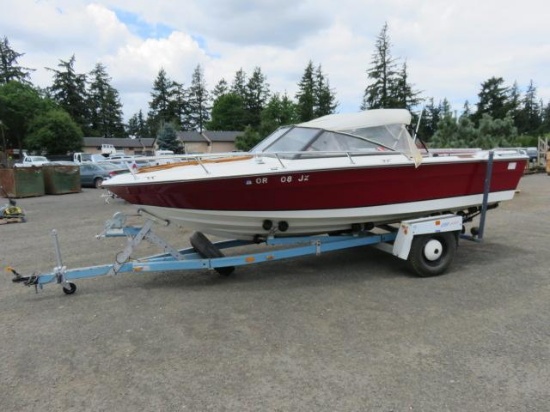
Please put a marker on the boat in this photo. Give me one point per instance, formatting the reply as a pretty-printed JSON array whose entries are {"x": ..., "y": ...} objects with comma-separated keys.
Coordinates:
[{"x": 338, "y": 173}]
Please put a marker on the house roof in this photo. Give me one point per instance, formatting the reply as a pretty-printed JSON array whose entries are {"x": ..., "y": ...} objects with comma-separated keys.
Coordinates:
[
  {"x": 208, "y": 135},
  {"x": 222, "y": 136},
  {"x": 186, "y": 136},
  {"x": 191, "y": 136}
]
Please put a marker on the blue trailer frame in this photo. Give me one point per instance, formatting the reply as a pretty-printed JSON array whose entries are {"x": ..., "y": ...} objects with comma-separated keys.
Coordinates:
[{"x": 397, "y": 240}]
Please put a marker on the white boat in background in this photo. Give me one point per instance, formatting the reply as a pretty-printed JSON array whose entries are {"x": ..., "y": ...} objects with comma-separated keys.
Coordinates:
[{"x": 341, "y": 172}]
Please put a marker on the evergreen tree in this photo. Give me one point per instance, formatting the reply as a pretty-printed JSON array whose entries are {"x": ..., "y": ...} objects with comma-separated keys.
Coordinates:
[
  {"x": 499, "y": 132},
  {"x": 529, "y": 118},
  {"x": 9, "y": 69},
  {"x": 161, "y": 107},
  {"x": 257, "y": 94},
  {"x": 314, "y": 96},
  {"x": 69, "y": 91},
  {"x": 137, "y": 126},
  {"x": 490, "y": 133},
  {"x": 445, "y": 108},
  {"x": 467, "y": 134},
  {"x": 493, "y": 99},
  {"x": 325, "y": 99},
  {"x": 104, "y": 105},
  {"x": 279, "y": 111},
  {"x": 466, "y": 110},
  {"x": 220, "y": 89},
  {"x": 428, "y": 121},
  {"x": 239, "y": 84},
  {"x": 228, "y": 113},
  {"x": 167, "y": 138},
  {"x": 514, "y": 101},
  {"x": 305, "y": 95},
  {"x": 403, "y": 95},
  {"x": 180, "y": 106},
  {"x": 198, "y": 101},
  {"x": 453, "y": 134},
  {"x": 248, "y": 139},
  {"x": 380, "y": 93}
]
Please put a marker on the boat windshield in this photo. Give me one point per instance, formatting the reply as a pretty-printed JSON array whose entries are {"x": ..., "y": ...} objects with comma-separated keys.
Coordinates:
[{"x": 314, "y": 142}]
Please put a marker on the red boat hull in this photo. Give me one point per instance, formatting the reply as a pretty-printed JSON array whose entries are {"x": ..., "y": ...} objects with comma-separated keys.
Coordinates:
[{"x": 327, "y": 189}]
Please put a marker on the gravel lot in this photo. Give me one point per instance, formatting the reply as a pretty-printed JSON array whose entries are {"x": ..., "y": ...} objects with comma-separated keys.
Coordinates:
[{"x": 345, "y": 331}]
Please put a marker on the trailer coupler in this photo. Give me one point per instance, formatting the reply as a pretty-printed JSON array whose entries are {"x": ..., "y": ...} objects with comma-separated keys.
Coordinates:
[{"x": 26, "y": 280}]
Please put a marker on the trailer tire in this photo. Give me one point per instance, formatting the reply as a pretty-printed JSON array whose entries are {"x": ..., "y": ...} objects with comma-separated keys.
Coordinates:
[
  {"x": 69, "y": 288},
  {"x": 431, "y": 255},
  {"x": 206, "y": 249}
]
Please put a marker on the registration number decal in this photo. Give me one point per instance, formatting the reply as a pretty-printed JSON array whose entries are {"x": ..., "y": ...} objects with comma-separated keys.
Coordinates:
[{"x": 283, "y": 179}]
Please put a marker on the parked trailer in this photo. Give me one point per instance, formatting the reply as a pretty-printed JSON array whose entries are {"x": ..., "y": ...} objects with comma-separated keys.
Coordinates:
[{"x": 429, "y": 244}]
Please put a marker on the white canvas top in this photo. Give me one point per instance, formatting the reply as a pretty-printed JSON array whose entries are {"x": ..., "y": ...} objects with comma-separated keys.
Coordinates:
[{"x": 367, "y": 118}]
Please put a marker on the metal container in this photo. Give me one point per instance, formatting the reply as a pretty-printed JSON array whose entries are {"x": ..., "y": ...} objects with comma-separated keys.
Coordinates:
[
  {"x": 61, "y": 179},
  {"x": 22, "y": 182}
]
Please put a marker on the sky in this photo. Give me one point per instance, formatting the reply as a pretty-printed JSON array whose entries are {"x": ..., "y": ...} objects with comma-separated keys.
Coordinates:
[{"x": 450, "y": 46}]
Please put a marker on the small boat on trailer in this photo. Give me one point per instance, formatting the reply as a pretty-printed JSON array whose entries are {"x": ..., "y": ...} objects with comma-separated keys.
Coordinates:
[
  {"x": 428, "y": 244},
  {"x": 339, "y": 173},
  {"x": 337, "y": 182}
]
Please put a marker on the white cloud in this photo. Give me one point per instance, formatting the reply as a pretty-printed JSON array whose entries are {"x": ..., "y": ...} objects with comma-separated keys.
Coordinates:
[{"x": 450, "y": 47}]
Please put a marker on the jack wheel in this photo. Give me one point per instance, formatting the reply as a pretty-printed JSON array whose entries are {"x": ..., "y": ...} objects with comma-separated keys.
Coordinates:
[
  {"x": 69, "y": 288},
  {"x": 207, "y": 249},
  {"x": 431, "y": 255}
]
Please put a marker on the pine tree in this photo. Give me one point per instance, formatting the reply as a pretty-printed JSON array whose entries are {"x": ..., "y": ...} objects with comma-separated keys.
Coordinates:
[
  {"x": 305, "y": 95},
  {"x": 199, "y": 111},
  {"x": 380, "y": 93},
  {"x": 9, "y": 69},
  {"x": 69, "y": 91},
  {"x": 279, "y": 111},
  {"x": 167, "y": 138},
  {"x": 325, "y": 99},
  {"x": 137, "y": 126},
  {"x": 428, "y": 121},
  {"x": 257, "y": 93},
  {"x": 529, "y": 119},
  {"x": 162, "y": 107},
  {"x": 493, "y": 99},
  {"x": 239, "y": 84},
  {"x": 179, "y": 105},
  {"x": 220, "y": 89},
  {"x": 403, "y": 95},
  {"x": 104, "y": 104}
]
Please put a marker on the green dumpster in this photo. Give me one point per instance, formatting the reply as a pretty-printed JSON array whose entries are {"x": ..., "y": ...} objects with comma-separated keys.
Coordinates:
[
  {"x": 22, "y": 182},
  {"x": 61, "y": 179}
]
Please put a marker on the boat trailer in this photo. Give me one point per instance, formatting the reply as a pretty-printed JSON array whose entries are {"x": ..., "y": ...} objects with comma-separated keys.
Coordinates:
[{"x": 429, "y": 245}]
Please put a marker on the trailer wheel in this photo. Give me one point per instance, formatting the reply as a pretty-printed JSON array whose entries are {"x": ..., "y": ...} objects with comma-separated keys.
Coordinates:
[
  {"x": 431, "y": 255},
  {"x": 69, "y": 288},
  {"x": 207, "y": 249}
]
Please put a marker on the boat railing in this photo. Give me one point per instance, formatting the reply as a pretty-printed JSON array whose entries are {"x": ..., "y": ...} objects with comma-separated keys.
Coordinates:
[
  {"x": 204, "y": 160},
  {"x": 350, "y": 154}
]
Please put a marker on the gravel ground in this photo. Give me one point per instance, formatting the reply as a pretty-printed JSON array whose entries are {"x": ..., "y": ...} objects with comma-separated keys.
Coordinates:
[{"x": 346, "y": 331}]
